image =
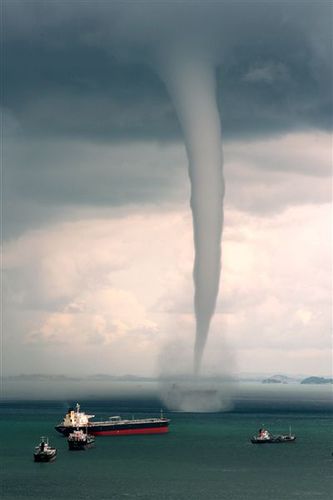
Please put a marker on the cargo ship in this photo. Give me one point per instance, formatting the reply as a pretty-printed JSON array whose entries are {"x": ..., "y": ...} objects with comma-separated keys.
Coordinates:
[{"x": 115, "y": 426}]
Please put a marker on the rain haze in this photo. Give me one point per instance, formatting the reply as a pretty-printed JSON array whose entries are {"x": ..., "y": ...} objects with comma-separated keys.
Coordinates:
[{"x": 112, "y": 119}]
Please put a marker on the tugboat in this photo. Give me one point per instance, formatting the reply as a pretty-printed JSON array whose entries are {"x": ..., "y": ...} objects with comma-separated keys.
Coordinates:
[
  {"x": 264, "y": 436},
  {"x": 79, "y": 440},
  {"x": 44, "y": 452},
  {"x": 115, "y": 426}
]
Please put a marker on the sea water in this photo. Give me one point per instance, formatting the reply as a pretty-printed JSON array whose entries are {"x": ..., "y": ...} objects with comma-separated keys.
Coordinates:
[{"x": 204, "y": 456}]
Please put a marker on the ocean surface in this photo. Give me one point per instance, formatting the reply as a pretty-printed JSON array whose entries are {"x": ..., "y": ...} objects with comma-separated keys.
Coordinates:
[{"x": 204, "y": 456}]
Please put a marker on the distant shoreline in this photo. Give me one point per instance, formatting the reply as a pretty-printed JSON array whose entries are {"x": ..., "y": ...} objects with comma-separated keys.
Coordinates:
[{"x": 242, "y": 395}]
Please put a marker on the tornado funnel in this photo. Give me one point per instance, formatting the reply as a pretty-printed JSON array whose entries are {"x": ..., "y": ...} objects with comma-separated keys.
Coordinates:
[{"x": 192, "y": 86}]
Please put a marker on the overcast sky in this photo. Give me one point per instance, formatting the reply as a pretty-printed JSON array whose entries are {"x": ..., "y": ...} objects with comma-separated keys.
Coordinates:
[{"x": 97, "y": 229}]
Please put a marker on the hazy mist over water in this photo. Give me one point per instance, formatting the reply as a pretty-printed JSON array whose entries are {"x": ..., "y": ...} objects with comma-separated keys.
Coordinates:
[{"x": 176, "y": 394}]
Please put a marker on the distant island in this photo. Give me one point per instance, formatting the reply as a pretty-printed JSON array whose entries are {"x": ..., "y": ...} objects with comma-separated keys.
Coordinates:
[
  {"x": 283, "y": 379},
  {"x": 273, "y": 380},
  {"x": 279, "y": 379},
  {"x": 317, "y": 380}
]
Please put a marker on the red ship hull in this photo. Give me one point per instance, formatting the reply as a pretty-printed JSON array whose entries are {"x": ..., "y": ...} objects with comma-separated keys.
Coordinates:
[
  {"x": 127, "y": 432},
  {"x": 120, "y": 427}
]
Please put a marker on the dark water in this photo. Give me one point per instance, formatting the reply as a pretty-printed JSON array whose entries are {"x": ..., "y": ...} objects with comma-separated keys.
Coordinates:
[{"x": 205, "y": 456}]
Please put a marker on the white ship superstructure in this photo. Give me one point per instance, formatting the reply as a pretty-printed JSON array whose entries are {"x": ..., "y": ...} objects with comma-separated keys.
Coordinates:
[{"x": 76, "y": 418}]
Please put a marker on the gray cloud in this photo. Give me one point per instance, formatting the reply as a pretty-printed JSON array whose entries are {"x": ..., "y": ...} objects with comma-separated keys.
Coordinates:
[
  {"x": 77, "y": 79},
  {"x": 45, "y": 181},
  {"x": 48, "y": 181},
  {"x": 87, "y": 72}
]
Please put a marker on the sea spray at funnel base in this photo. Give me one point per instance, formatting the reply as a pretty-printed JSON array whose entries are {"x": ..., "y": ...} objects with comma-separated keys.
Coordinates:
[{"x": 192, "y": 86}]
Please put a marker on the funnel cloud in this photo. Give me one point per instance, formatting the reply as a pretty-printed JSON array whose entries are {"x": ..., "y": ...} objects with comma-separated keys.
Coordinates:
[{"x": 192, "y": 86}]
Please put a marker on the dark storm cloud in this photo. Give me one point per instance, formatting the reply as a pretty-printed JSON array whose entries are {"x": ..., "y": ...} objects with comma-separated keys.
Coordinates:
[
  {"x": 81, "y": 76},
  {"x": 84, "y": 69},
  {"x": 46, "y": 180}
]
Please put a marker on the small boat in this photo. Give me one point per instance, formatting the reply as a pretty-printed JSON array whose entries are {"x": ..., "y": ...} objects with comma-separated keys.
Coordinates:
[
  {"x": 264, "y": 436},
  {"x": 79, "y": 440},
  {"x": 44, "y": 452}
]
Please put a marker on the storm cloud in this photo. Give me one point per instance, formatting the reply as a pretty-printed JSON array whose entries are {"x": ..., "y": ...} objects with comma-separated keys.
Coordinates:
[
  {"x": 87, "y": 69},
  {"x": 80, "y": 80}
]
